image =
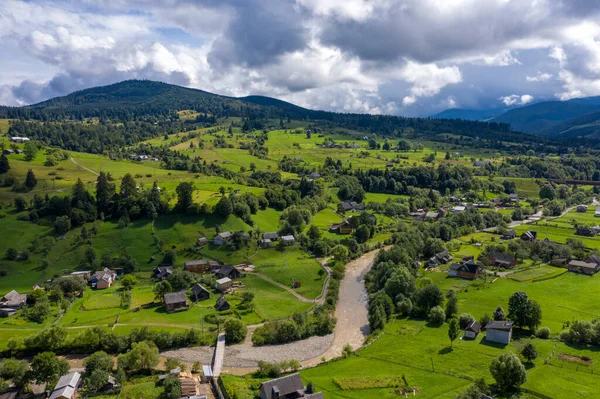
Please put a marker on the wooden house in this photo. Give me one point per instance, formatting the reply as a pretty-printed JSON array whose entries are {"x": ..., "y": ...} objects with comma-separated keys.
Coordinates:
[
  {"x": 200, "y": 293},
  {"x": 175, "y": 301},
  {"x": 196, "y": 266}
]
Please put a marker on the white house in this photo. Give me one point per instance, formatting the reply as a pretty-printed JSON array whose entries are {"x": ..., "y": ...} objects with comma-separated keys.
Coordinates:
[
  {"x": 459, "y": 209},
  {"x": 499, "y": 331},
  {"x": 288, "y": 240},
  {"x": 66, "y": 386},
  {"x": 19, "y": 139}
]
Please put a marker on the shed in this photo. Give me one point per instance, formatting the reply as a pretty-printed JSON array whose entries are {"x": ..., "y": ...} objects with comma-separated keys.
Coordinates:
[
  {"x": 175, "y": 301},
  {"x": 222, "y": 304},
  {"x": 582, "y": 208},
  {"x": 499, "y": 331},
  {"x": 224, "y": 284},
  {"x": 200, "y": 293},
  {"x": 66, "y": 386},
  {"x": 223, "y": 238},
  {"x": 288, "y": 387},
  {"x": 270, "y": 236},
  {"x": 472, "y": 330},
  {"x": 288, "y": 240},
  {"x": 196, "y": 266},
  {"x": 228, "y": 271},
  {"x": 202, "y": 241}
]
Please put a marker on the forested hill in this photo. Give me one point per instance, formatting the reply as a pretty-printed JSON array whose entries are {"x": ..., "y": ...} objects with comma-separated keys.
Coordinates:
[{"x": 137, "y": 100}]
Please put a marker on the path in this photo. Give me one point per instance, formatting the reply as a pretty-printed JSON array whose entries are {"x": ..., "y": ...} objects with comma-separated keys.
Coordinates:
[
  {"x": 219, "y": 355},
  {"x": 288, "y": 289},
  {"x": 84, "y": 167}
]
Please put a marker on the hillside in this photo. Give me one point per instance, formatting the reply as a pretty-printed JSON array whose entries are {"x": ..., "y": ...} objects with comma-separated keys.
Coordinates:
[
  {"x": 142, "y": 100},
  {"x": 541, "y": 117}
]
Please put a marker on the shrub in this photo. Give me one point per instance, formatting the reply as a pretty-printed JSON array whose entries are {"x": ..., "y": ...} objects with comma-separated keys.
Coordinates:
[
  {"x": 464, "y": 320},
  {"x": 436, "y": 315},
  {"x": 235, "y": 330},
  {"x": 543, "y": 333}
]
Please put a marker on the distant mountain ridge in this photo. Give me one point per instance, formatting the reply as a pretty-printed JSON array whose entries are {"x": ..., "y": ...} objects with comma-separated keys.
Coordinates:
[{"x": 574, "y": 118}]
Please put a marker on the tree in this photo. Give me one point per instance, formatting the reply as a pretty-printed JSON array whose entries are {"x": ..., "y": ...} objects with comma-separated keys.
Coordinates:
[
  {"x": 97, "y": 379},
  {"x": 11, "y": 254},
  {"x": 20, "y": 203},
  {"x": 451, "y": 304},
  {"x": 30, "y": 150},
  {"x": 162, "y": 288},
  {"x": 362, "y": 234},
  {"x": 185, "y": 192},
  {"x": 428, "y": 297},
  {"x": 172, "y": 388},
  {"x": 523, "y": 311},
  {"x": 169, "y": 258},
  {"x": 453, "y": 330},
  {"x": 4, "y": 164},
  {"x": 547, "y": 192},
  {"x": 105, "y": 191},
  {"x": 400, "y": 284},
  {"x": 142, "y": 356},
  {"x": 15, "y": 371},
  {"x": 235, "y": 330},
  {"x": 436, "y": 316},
  {"x": 340, "y": 252},
  {"x": 529, "y": 352},
  {"x": 97, "y": 361},
  {"x": 224, "y": 208},
  {"x": 464, "y": 320},
  {"x": 46, "y": 368},
  {"x": 508, "y": 371},
  {"x": 129, "y": 281},
  {"x": 128, "y": 187},
  {"x": 62, "y": 225},
  {"x": 498, "y": 314}
]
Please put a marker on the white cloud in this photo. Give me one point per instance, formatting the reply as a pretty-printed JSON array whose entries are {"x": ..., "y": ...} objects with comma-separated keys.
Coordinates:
[
  {"x": 515, "y": 99},
  {"x": 427, "y": 80},
  {"x": 348, "y": 9},
  {"x": 540, "y": 77}
]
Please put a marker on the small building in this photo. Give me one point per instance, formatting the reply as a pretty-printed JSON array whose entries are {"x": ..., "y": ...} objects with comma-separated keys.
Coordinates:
[
  {"x": 223, "y": 284},
  {"x": 222, "y": 304},
  {"x": 200, "y": 293},
  {"x": 229, "y": 272},
  {"x": 578, "y": 266},
  {"x": 288, "y": 240},
  {"x": 513, "y": 197},
  {"x": 207, "y": 374},
  {"x": 585, "y": 231},
  {"x": 19, "y": 139},
  {"x": 111, "y": 384},
  {"x": 597, "y": 212},
  {"x": 85, "y": 275},
  {"x": 175, "y": 301},
  {"x": 561, "y": 262},
  {"x": 529, "y": 235},
  {"x": 499, "y": 331},
  {"x": 469, "y": 270},
  {"x": 8, "y": 151},
  {"x": 223, "y": 238},
  {"x": 11, "y": 303},
  {"x": 265, "y": 243},
  {"x": 202, "y": 241},
  {"x": 270, "y": 236},
  {"x": 509, "y": 235},
  {"x": 500, "y": 259},
  {"x": 213, "y": 265},
  {"x": 288, "y": 387},
  {"x": 582, "y": 208},
  {"x": 440, "y": 259},
  {"x": 314, "y": 176},
  {"x": 162, "y": 272},
  {"x": 103, "y": 279},
  {"x": 342, "y": 228},
  {"x": 350, "y": 206},
  {"x": 433, "y": 215},
  {"x": 459, "y": 209},
  {"x": 196, "y": 266},
  {"x": 472, "y": 330},
  {"x": 66, "y": 386}
]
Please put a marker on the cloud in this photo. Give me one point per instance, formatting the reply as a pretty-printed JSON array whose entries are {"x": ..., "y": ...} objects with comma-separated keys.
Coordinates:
[
  {"x": 427, "y": 80},
  {"x": 515, "y": 99},
  {"x": 540, "y": 77}
]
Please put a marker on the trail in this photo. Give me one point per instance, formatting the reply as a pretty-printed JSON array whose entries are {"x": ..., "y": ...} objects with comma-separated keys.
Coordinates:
[
  {"x": 84, "y": 167},
  {"x": 288, "y": 289}
]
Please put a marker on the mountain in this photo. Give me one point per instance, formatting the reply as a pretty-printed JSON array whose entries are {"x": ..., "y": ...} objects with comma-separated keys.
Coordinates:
[
  {"x": 143, "y": 100},
  {"x": 587, "y": 126},
  {"x": 541, "y": 118},
  {"x": 470, "y": 114}
]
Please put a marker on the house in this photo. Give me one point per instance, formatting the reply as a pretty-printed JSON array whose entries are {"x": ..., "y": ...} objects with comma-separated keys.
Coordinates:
[
  {"x": 472, "y": 330},
  {"x": 288, "y": 240},
  {"x": 529, "y": 235},
  {"x": 578, "y": 266},
  {"x": 562, "y": 262},
  {"x": 509, "y": 235},
  {"x": 342, "y": 228},
  {"x": 66, "y": 386},
  {"x": 11, "y": 302},
  {"x": 103, "y": 279},
  {"x": 499, "y": 331},
  {"x": 582, "y": 208},
  {"x": 502, "y": 260},
  {"x": 8, "y": 151},
  {"x": 111, "y": 383},
  {"x": 459, "y": 209},
  {"x": 200, "y": 293},
  {"x": 469, "y": 270},
  {"x": 270, "y": 236},
  {"x": 222, "y": 304},
  {"x": 314, "y": 176},
  {"x": 161, "y": 272},
  {"x": 513, "y": 197},
  {"x": 593, "y": 259},
  {"x": 202, "y": 241},
  {"x": 86, "y": 274},
  {"x": 434, "y": 215},
  {"x": 497, "y": 202},
  {"x": 597, "y": 212},
  {"x": 265, "y": 243},
  {"x": 229, "y": 272},
  {"x": 348, "y": 206},
  {"x": 175, "y": 301},
  {"x": 440, "y": 259},
  {"x": 19, "y": 139},
  {"x": 223, "y": 284},
  {"x": 196, "y": 266},
  {"x": 223, "y": 238},
  {"x": 585, "y": 231},
  {"x": 288, "y": 387},
  {"x": 213, "y": 265}
]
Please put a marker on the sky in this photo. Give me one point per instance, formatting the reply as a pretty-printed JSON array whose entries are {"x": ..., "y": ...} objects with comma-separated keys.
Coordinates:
[{"x": 401, "y": 57}]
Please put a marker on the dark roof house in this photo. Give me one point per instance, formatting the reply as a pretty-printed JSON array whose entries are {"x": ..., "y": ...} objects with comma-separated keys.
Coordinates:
[
  {"x": 175, "y": 301},
  {"x": 289, "y": 387},
  {"x": 200, "y": 293},
  {"x": 228, "y": 271},
  {"x": 161, "y": 272},
  {"x": 222, "y": 304},
  {"x": 502, "y": 260}
]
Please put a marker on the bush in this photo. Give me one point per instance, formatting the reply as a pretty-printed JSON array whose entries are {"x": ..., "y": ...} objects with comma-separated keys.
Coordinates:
[
  {"x": 235, "y": 330},
  {"x": 464, "y": 320},
  {"x": 436, "y": 316},
  {"x": 543, "y": 333}
]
